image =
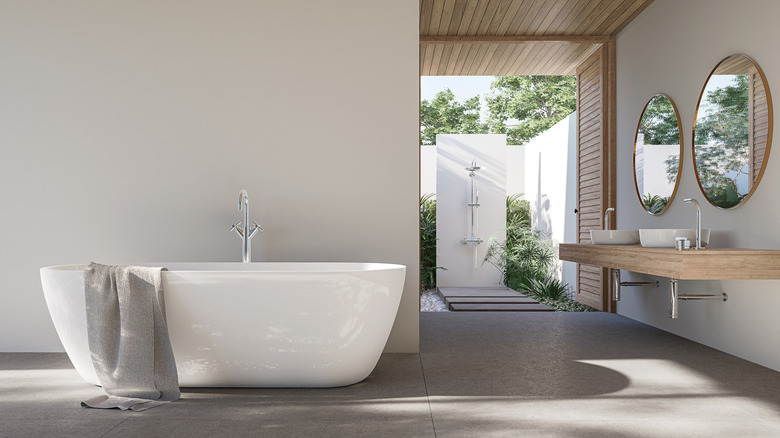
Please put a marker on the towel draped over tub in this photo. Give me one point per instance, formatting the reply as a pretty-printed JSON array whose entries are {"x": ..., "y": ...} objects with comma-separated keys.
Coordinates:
[{"x": 128, "y": 337}]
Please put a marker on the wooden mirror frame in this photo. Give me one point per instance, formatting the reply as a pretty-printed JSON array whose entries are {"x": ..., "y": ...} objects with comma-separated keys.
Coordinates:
[
  {"x": 770, "y": 123},
  {"x": 680, "y": 161}
]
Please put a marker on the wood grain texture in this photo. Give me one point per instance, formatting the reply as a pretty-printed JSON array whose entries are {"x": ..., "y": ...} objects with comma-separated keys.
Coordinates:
[
  {"x": 501, "y": 57},
  {"x": 758, "y": 125},
  {"x": 557, "y": 34},
  {"x": 706, "y": 264},
  {"x": 593, "y": 286},
  {"x": 527, "y": 17},
  {"x": 590, "y": 137}
]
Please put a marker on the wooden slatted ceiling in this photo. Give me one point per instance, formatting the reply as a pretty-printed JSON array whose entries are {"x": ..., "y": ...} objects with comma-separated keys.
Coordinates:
[
  {"x": 557, "y": 25},
  {"x": 734, "y": 65},
  {"x": 530, "y": 58},
  {"x": 527, "y": 17}
]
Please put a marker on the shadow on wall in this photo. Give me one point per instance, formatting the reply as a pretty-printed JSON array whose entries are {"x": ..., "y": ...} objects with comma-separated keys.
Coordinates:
[
  {"x": 550, "y": 185},
  {"x": 542, "y": 220},
  {"x": 485, "y": 181}
]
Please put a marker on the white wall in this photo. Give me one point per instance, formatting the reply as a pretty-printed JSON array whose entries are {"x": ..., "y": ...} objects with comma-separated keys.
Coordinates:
[
  {"x": 670, "y": 48},
  {"x": 128, "y": 129},
  {"x": 453, "y": 215},
  {"x": 550, "y": 186},
  {"x": 651, "y": 160},
  {"x": 515, "y": 169},
  {"x": 427, "y": 169}
]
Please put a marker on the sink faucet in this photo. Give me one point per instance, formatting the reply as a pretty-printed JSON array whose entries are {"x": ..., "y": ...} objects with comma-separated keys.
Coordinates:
[
  {"x": 698, "y": 221},
  {"x": 606, "y": 217},
  {"x": 244, "y": 231}
]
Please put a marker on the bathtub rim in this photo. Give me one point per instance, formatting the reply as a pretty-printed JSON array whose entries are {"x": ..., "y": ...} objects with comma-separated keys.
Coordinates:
[{"x": 259, "y": 267}]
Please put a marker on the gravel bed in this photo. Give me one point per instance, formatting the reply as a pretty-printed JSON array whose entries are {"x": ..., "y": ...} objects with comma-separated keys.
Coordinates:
[{"x": 431, "y": 302}]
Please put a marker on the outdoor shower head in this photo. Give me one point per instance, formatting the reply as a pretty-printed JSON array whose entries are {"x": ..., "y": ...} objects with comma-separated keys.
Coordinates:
[{"x": 474, "y": 166}]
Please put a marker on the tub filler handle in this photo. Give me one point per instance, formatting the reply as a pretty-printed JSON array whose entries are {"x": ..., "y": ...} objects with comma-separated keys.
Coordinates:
[{"x": 244, "y": 231}]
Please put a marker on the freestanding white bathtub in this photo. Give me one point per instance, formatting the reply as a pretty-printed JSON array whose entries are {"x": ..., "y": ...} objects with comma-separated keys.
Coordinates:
[{"x": 254, "y": 324}]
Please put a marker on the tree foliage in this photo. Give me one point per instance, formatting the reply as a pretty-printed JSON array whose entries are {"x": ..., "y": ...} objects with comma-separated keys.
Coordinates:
[
  {"x": 445, "y": 115},
  {"x": 536, "y": 102},
  {"x": 721, "y": 142},
  {"x": 659, "y": 123},
  {"x": 659, "y": 126}
]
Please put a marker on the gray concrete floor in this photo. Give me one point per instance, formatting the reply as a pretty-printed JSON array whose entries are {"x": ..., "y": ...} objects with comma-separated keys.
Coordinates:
[{"x": 477, "y": 375}]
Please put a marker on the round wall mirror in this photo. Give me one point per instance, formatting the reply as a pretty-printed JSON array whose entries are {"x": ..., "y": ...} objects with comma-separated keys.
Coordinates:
[
  {"x": 733, "y": 131},
  {"x": 658, "y": 146}
]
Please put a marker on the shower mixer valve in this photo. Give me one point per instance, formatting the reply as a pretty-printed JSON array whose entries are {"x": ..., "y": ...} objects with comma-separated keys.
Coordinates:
[{"x": 474, "y": 204}]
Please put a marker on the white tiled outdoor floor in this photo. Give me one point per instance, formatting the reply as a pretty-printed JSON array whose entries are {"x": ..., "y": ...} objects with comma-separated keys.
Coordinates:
[{"x": 477, "y": 375}]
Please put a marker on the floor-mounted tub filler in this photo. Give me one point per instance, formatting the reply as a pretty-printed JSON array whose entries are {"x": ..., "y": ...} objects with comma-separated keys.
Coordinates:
[{"x": 254, "y": 324}]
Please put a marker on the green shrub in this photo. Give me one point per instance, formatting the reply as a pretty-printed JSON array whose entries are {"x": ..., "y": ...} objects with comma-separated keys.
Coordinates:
[
  {"x": 528, "y": 260},
  {"x": 655, "y": 203},
  {"x": 540, "y": 285},
  {"x": 518, "y": 211},
  {"x": 525, "y": 254},
  {"x": 428, "y": 242}
]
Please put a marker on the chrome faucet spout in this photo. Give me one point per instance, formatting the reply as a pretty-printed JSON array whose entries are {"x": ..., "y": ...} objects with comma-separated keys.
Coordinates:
[
  {"x": 606, "y": 217},
  {"x": 243, "y": 198},
  {"x": 242, "y": 228},
  {"x": 698, "y": 220}
]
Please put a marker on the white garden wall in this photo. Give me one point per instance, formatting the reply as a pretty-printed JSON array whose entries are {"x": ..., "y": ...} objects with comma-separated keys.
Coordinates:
[
  {"x": 453, "y": 215},
  {"x": 550, "y": 185}
]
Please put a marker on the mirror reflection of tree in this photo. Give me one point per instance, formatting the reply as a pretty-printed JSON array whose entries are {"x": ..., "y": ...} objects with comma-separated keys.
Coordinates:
[
  {"x": 659, "y": 126},
  {"x": 722, "y": 143}
]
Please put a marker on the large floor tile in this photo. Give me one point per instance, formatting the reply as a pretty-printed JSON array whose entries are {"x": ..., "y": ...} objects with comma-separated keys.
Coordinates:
[
  {"x": 44, "y": 427},
  {"x": 605, "y": 408},
  {"x": 678, "y": 428},
  {"x": 238, "y": 406},
  {"x": 290, "y": 428},
  {"x": 395, "y": 390},
  {"x": 486, "y": 375}
]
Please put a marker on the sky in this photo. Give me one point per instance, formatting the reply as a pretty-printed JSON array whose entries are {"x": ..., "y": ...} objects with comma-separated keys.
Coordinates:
[
  {"x": 464, "y": 87},
  {"x": 713, "y": 83}
]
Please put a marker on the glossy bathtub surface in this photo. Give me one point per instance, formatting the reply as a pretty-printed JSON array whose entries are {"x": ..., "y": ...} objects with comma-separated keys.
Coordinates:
[{"x": 258, "y": 324}]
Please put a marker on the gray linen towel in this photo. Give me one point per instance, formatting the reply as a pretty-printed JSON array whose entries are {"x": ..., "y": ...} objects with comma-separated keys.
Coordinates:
[{"x": 128, "y": 337}]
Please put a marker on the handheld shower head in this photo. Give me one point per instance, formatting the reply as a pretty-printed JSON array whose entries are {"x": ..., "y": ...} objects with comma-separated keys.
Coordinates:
[{"x": 474, "y": 166}]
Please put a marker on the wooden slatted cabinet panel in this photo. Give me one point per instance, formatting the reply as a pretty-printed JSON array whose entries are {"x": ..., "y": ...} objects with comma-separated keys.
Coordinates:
[
  {"x": 759, "y": 123},
  {"x": 595, "y": 168}
]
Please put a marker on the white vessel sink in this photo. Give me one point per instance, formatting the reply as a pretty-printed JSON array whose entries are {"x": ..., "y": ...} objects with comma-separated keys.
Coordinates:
[
  {"x": 614, "y": 237},
  {"x": 665, "y": 237}
]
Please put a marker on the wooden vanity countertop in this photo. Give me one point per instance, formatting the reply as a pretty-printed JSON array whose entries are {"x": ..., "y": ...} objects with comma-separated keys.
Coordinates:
[{"x": 689, "y": 264}]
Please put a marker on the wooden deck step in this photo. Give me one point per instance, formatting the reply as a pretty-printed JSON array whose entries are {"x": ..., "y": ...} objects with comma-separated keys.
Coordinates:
[
  {"x": 491, "y": 300},
  {"x": 500, "y": 308},
  {"x": 477, "y": 292}
]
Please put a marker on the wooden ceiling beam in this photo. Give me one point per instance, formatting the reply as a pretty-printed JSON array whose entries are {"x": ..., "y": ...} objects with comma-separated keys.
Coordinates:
[{"x": 514, "y": 39}]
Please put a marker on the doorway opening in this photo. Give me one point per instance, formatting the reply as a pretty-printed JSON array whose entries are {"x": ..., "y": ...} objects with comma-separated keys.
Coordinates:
[
  {"x": 495, "y": 155},
  {"x": 590, "y": 170}
]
